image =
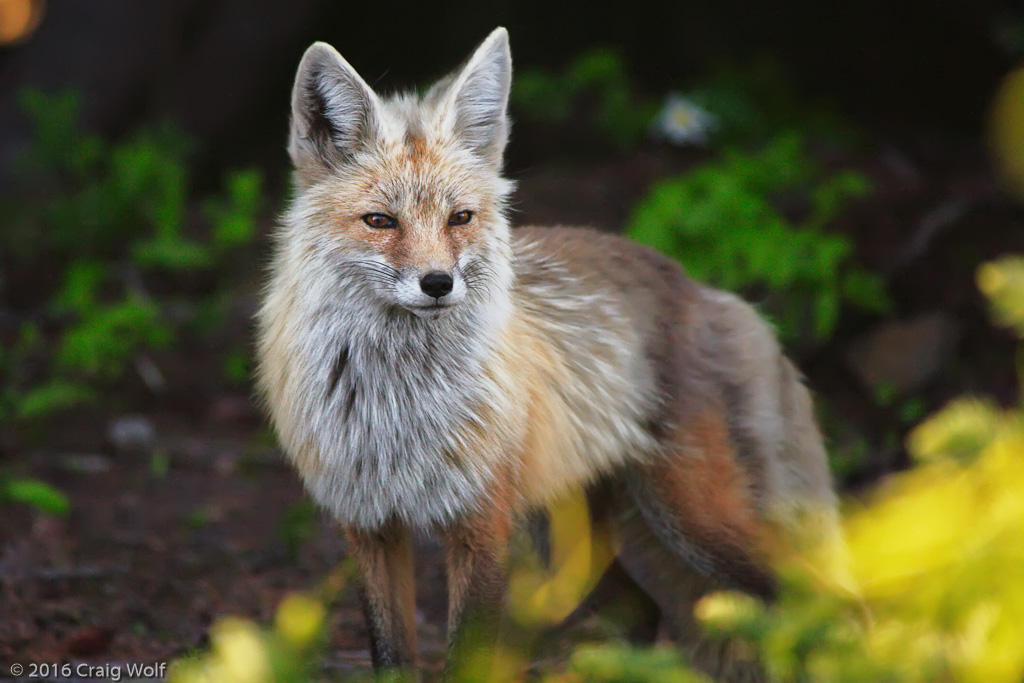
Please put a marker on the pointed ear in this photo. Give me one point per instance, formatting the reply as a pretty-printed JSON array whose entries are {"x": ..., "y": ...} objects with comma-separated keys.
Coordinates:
[
  {"x": 334, "y": 112},
  {"x": 475, "y": 100}
]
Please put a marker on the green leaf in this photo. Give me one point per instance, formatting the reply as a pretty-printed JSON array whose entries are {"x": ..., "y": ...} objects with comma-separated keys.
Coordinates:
[
  {"x": 53, "y": 397},
  {"x": 173, "y": 254},
  {"x": 81, "y": 283},
  {"x": 38, "y": 494},
  {"x": 102, "y": 343},
  {"x": 826, "y": 313},
  {"x": 866, "y": 291}
]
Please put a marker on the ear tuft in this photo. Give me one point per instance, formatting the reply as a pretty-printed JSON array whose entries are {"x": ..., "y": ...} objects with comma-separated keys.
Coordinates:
[
  {"x": 476, "y": 99},
  {"x": 334, "y": 111}
]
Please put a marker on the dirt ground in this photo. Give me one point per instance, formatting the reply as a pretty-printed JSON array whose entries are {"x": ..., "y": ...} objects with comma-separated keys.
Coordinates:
[{"x": 195, "y": 525}]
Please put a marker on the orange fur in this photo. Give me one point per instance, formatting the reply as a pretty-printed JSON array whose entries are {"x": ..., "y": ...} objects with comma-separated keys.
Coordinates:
[{"x": 386, "y": 566}]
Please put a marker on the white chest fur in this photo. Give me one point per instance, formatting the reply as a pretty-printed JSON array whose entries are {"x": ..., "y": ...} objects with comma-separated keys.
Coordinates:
[
  {"x": 385, "y": 430},
  {"x": 370, "y": 404}
]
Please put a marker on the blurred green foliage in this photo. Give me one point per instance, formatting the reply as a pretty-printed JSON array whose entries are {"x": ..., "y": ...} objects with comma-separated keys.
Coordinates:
[
  {"x": 35, "y": 493},
  {"x": 750, "y": 220},
  {"x": 297, "y": 526},
  {"x": 92, "y": 224},
  {"x": 620, "y": 663},
  {"x": 727, "y": 222},
  {"x": 593, "y": 88},
  {"x": 753, "y": 101}
]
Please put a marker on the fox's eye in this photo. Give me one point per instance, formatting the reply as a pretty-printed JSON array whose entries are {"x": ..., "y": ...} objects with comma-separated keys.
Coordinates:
[
  {"x": 460, "y": 218},
  {"x": 379, "y": 220}
]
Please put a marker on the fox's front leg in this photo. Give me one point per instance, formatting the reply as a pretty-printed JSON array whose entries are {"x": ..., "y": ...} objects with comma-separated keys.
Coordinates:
[
  {"x": 698, "y": 501},
  {"x": 388, "y": 593},
  {"x": 477, "y": 552}
]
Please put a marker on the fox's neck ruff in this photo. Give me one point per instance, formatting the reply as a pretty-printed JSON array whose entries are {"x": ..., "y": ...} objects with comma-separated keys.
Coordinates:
[{"x": 379, "y": 395}]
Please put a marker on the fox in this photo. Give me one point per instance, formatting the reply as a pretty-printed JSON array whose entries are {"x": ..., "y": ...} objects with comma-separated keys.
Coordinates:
[{"x": 427, "y": 367}]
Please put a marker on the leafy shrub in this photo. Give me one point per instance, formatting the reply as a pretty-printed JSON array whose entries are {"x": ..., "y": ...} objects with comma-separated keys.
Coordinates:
[
  {"x": 99, "y": 220},
  {"x": 593, "y": 86},
  {"x": 244, "y": 653},
  {"x": 723, "y": 222},
  {"x": 753, "y": 101}
]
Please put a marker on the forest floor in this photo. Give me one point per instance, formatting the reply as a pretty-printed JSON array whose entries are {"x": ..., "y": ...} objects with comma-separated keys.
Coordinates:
[{"x": 200, "y": 517}]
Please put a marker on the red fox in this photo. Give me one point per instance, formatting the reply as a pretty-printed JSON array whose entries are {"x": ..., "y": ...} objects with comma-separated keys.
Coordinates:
[{"x": 427, "y": 367}]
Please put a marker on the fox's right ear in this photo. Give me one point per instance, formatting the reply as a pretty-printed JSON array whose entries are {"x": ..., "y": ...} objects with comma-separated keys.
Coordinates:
[
  {"x": 334, "y": 113},
  {"x": 474, "y": 102}
]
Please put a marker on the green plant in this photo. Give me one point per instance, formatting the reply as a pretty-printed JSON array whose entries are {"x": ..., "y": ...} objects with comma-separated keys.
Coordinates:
[
  {"x": 752, "y": 101},
  {"x": 297, "y": 526},
  {"x": 594, "y": 86},
  {"x": 245, "y": 653},
  {"x": 725, "y": 223},
  {"x": 35, "y": 493},
  {"x": 92, "y": 224},
  {"x": 237, "y": 366}
]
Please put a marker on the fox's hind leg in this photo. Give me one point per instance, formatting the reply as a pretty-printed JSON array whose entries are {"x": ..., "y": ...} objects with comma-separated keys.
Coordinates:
[
  {"x": 675, "y": 587},
  {"x": 388, "y": 594},
  {"x": 698, "y": 501}
]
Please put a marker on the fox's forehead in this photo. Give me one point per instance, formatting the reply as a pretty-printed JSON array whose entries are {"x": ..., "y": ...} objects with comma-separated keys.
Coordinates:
[{"x": 417, "y": 172}]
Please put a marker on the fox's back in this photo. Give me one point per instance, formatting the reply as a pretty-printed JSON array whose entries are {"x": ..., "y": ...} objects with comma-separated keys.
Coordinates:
[{"x": 647, "y": 347}]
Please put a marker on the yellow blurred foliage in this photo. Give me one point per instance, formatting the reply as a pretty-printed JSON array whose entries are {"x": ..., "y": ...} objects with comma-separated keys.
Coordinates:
[
  {"x": 242, "y": 652},
  {"x": 932, "y": 588},
  {"x": 1002, "y": 282},
  {"x": 300, "y": 619},
  {"x": 239, "y": 648},
  {"x": 1007, "y": 130},
  {"x": 580, "y": 553}
]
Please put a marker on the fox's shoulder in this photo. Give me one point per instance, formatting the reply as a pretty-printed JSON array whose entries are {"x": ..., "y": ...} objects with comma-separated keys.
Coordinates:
[
  {"x": 571, "y": 244},
  {"x": 598, "y": 262}
]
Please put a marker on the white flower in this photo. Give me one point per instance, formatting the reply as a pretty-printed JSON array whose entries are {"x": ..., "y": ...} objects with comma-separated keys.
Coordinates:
[{"x": 682, "y": 122}]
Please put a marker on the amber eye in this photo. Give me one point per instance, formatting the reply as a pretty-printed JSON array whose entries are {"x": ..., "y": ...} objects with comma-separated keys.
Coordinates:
[
  {"x": 460, "y": 218},
  {"x": 380, "y": 220}
]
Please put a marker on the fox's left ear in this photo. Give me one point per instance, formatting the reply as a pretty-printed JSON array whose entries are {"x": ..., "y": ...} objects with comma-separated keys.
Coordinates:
[
  {"x": 335, "y": 113},
  {"x": 474, "y": 101}
]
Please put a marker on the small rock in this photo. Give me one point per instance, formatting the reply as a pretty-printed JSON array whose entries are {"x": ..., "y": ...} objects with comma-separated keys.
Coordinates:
[
  {"x": 905, "y": 355},
  {"x": 132, "y": 435},
  {"x": 150, "y": 373}
]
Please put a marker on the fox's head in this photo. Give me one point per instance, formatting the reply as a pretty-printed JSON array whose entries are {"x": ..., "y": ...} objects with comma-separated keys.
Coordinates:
[{"x": 405, "y": 193}]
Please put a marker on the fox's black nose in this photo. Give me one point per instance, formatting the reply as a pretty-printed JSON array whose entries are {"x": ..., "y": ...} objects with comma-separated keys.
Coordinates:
[{"x": 436, "y": 283}]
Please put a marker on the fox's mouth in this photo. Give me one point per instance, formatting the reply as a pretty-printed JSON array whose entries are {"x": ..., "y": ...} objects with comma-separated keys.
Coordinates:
[{"x": 434, "y": 310}]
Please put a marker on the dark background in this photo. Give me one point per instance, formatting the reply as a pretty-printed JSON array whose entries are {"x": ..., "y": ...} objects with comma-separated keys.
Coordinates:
[{"x": 223, "y": 69}]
